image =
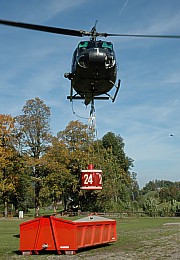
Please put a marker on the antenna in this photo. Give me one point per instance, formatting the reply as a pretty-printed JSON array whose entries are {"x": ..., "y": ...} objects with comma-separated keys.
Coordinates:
[{"x": 93, "y": 32}]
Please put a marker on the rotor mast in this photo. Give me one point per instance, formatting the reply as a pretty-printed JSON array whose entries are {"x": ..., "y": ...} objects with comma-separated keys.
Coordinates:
[{"x": 94, "y": 32}]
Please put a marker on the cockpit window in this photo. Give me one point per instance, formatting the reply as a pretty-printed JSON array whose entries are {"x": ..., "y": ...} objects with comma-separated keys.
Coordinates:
[
  {"x": 91, "y": 44},
  {"x": 83, "y": 44},
  {"x": 107, "y": 45}
]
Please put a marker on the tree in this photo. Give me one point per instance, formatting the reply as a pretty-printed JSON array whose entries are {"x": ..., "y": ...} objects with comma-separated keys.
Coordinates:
[
  {"x": 59, "y": 182},
  {"x": 34, "y": 130},
  {"x": 11, "y": 166},
  {"x": 34, "y": 127},
  {"x": 150, "y": 206},
  {"x": 116, "y": 144},
  {"x": 169, "y": 194},
  {"x": 115, "y": 195},
  {"x": 119, "y": 178},
  {"x": 167, "y": 190},
  {"x": 78, "y": 138}
]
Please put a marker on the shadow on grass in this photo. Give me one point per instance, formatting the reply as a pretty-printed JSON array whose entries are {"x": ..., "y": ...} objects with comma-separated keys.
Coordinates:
[
  {"x": 17, "y": 236},
  {"x": 17, "y": 252},
  {"x": 54, "y": 252}
]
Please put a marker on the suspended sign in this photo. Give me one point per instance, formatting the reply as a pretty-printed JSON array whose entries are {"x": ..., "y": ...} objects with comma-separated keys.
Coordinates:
[{"x": 91, "y": 179}]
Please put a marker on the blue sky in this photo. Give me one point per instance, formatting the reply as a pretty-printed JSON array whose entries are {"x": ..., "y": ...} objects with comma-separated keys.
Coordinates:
[{"x": 147, "y": 109}]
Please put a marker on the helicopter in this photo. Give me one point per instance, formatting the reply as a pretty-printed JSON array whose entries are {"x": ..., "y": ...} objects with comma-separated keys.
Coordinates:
[
  {"x": 94, "y": 66},
  {"x": 94, "y": 70}
]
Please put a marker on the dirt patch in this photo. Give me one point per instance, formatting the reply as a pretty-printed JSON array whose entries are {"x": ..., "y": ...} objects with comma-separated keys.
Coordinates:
[
  {"x": 166, "y": 246},
  {"x": 171, "y": 224}
]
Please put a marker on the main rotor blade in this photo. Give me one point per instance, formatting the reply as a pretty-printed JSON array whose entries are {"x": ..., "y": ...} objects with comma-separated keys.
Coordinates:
[
  {"x": 142, "y": 35},
  {"x": 43, "y": 28},
  {"x": 78, "y": 33}
]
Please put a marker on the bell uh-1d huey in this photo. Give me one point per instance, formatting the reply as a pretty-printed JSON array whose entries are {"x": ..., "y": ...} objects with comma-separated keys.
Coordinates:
[
  {"x": 94, "y": 70},
  {"x": 94, "y": 67}
]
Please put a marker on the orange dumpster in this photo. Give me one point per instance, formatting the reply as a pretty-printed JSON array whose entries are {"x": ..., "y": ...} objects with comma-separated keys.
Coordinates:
[{"x": 49, "y": 233}]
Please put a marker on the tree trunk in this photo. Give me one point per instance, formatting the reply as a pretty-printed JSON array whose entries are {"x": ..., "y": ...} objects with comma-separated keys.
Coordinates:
[
  {"x": 36, "y": 201},
  {"x": 65, "y": 203},
  {"x": 5, "y": 209}
]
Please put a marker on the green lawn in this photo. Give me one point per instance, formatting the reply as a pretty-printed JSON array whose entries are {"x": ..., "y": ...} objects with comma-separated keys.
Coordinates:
[{"x": 136, "y": 236}]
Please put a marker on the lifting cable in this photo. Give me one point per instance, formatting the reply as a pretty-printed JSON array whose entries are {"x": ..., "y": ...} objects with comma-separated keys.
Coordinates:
[
  {"x": 92, "y": 127},
  {"x": 93, "y": 131},
  {"x": 92, "y": 119},
  {"x": 74, "y": 113}
]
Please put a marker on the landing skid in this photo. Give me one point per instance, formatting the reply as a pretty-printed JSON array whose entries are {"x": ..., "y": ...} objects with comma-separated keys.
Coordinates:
[
  {"x": 117, "y": 90},
  {"x": 80, "y": 97}
]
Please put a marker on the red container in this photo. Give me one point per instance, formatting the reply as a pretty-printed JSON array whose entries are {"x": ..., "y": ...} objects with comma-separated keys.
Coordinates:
[
  {"x": 64, "y": 236},
  {"x": 91, "y": 179}
]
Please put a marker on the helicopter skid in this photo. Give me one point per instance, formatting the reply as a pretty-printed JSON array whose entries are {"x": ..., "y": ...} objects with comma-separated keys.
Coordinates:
[
  {"x": 117, "y": 89},
  {"x": 87, "y": 101},
  {"x": 79, "y": 97}
]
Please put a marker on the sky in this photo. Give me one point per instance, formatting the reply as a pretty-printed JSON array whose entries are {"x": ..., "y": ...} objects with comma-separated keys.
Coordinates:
[{"x": 146, "y": 111}]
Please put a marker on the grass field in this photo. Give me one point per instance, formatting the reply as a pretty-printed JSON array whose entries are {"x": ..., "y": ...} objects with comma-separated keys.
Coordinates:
[{"x": 138, "y": 238}]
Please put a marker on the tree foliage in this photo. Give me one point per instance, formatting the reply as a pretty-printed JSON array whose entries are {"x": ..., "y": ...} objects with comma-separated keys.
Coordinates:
[
  {"x": 34, "y": 130},
  {"x": 11, "y": 164},
  {"x": 116, "y": 144},
  {"x": 34, "y": 127},
  {"x": 59, "y": 182},
  {"x": 78, "y": 140}
]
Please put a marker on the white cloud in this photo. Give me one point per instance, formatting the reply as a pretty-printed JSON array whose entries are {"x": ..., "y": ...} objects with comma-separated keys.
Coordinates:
[{"x": 161, "y": 25}]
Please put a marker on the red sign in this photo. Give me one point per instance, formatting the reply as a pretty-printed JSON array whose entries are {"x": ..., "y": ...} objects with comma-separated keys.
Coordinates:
[{"x": 91, "y": 179}]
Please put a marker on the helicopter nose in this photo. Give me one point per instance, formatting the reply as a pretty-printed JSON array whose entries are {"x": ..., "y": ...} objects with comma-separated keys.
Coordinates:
[{"x": 97, "y": 56}]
